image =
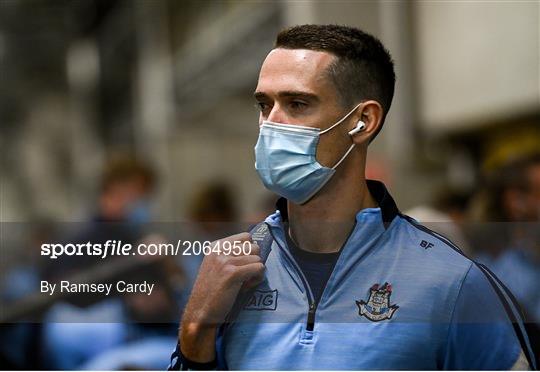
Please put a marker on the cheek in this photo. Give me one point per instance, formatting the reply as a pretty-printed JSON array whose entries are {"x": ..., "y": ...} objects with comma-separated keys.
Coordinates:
[
  {"x": 333, "y": 145},
  {"x": 325, "y": 151}
]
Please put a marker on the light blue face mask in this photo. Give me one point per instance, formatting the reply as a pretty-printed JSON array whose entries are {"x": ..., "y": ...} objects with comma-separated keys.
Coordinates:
[{"x": 285, "y": 159}]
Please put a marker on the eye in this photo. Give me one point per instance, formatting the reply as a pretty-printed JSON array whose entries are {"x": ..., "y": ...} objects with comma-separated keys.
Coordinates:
[
  {"x": 262, "y": 106},
  {"x": 298, "y": 105}
]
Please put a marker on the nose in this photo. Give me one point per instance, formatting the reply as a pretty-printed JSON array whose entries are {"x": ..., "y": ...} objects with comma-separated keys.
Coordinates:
[{"x": 277, "y": 115}]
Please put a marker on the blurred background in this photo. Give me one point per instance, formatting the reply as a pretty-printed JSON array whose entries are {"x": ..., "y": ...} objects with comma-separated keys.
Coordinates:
[{"x": 142, "y": 112}]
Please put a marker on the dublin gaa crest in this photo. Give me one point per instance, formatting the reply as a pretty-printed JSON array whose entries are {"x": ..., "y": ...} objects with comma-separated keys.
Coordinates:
[{"x": 377, "y": 307}]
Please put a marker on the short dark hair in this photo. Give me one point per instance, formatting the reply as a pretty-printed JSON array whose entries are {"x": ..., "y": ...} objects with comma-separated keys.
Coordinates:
[
  {"x": 363, "y": 69},
  {"x": 122, "y": 168}
]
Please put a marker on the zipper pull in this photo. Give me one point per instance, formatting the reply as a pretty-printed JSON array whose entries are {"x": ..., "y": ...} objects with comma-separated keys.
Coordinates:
[{"x": 311, "y": 317}]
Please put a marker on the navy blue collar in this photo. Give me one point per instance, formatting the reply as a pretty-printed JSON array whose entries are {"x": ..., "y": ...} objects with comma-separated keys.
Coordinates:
[{"x": 378, "y": 191}]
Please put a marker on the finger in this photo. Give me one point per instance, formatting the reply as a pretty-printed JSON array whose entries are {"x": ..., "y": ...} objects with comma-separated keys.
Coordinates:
[
  {"x": 255, "y": 250},
  {"x": 244, "y": 260},
  {"x": 248, "y": 271}
]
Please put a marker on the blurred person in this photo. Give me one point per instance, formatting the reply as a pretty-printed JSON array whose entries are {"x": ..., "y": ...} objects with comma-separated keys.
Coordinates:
[
  {"x": 126, "y": 188},
  {"x": 122, "y": 214},
  {"x": 514, "y": 202},
  {"x": 212, "y": 208},
  {"x": 514, "y": 190},
  {"x": 349, "y": 282},
  {"x": 123, "y": 208}
]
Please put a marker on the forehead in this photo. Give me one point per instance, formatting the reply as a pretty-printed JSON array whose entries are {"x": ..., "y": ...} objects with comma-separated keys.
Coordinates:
[{"x": 294, "y": 69}]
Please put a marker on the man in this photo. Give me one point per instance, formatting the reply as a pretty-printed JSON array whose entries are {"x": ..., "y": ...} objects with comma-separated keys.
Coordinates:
[{"x": 349, "y": 283}]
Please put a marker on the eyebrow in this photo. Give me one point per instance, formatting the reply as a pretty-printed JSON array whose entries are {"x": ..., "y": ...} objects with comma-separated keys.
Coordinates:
[{"x": 289, "y": 94}]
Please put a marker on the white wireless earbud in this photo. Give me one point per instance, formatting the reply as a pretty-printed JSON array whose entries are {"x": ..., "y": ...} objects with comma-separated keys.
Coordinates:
[{"x": 360, "y": 126}]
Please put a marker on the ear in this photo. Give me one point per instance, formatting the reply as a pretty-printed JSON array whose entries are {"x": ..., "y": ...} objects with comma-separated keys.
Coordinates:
[{"x": 371, "y": 113}]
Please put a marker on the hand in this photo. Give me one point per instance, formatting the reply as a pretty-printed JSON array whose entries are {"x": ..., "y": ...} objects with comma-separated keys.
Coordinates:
[{"x": 218, "y": 283}]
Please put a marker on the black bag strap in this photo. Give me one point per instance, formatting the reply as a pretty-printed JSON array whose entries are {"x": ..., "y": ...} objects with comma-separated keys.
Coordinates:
[{"x": 261, "y": 235}]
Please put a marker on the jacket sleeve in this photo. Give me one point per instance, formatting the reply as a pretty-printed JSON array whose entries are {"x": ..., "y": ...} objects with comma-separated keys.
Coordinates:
[{"x": 481, "y": 335}]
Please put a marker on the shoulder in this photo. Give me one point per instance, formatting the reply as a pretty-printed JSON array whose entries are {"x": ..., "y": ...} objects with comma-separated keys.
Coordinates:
[
  {"x": 473, "y": 291},
  {"x": 480, "y": 313},
  {"x": 439, "y": 265},
  {"x": 429, "y": 248}
]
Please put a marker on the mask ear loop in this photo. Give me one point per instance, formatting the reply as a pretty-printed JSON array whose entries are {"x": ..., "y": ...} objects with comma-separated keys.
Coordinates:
[
  {"x": 344, "y": 156},
  {"x": 341, "y": 121},
  {"x": 335, "y": 125}
]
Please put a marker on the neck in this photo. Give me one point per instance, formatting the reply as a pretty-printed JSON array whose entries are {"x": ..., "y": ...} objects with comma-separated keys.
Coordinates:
[{"x": 323, "y": 224}]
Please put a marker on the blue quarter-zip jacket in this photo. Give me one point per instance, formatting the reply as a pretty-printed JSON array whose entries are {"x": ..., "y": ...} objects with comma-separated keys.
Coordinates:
[{"x": 399, "y": 297}]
